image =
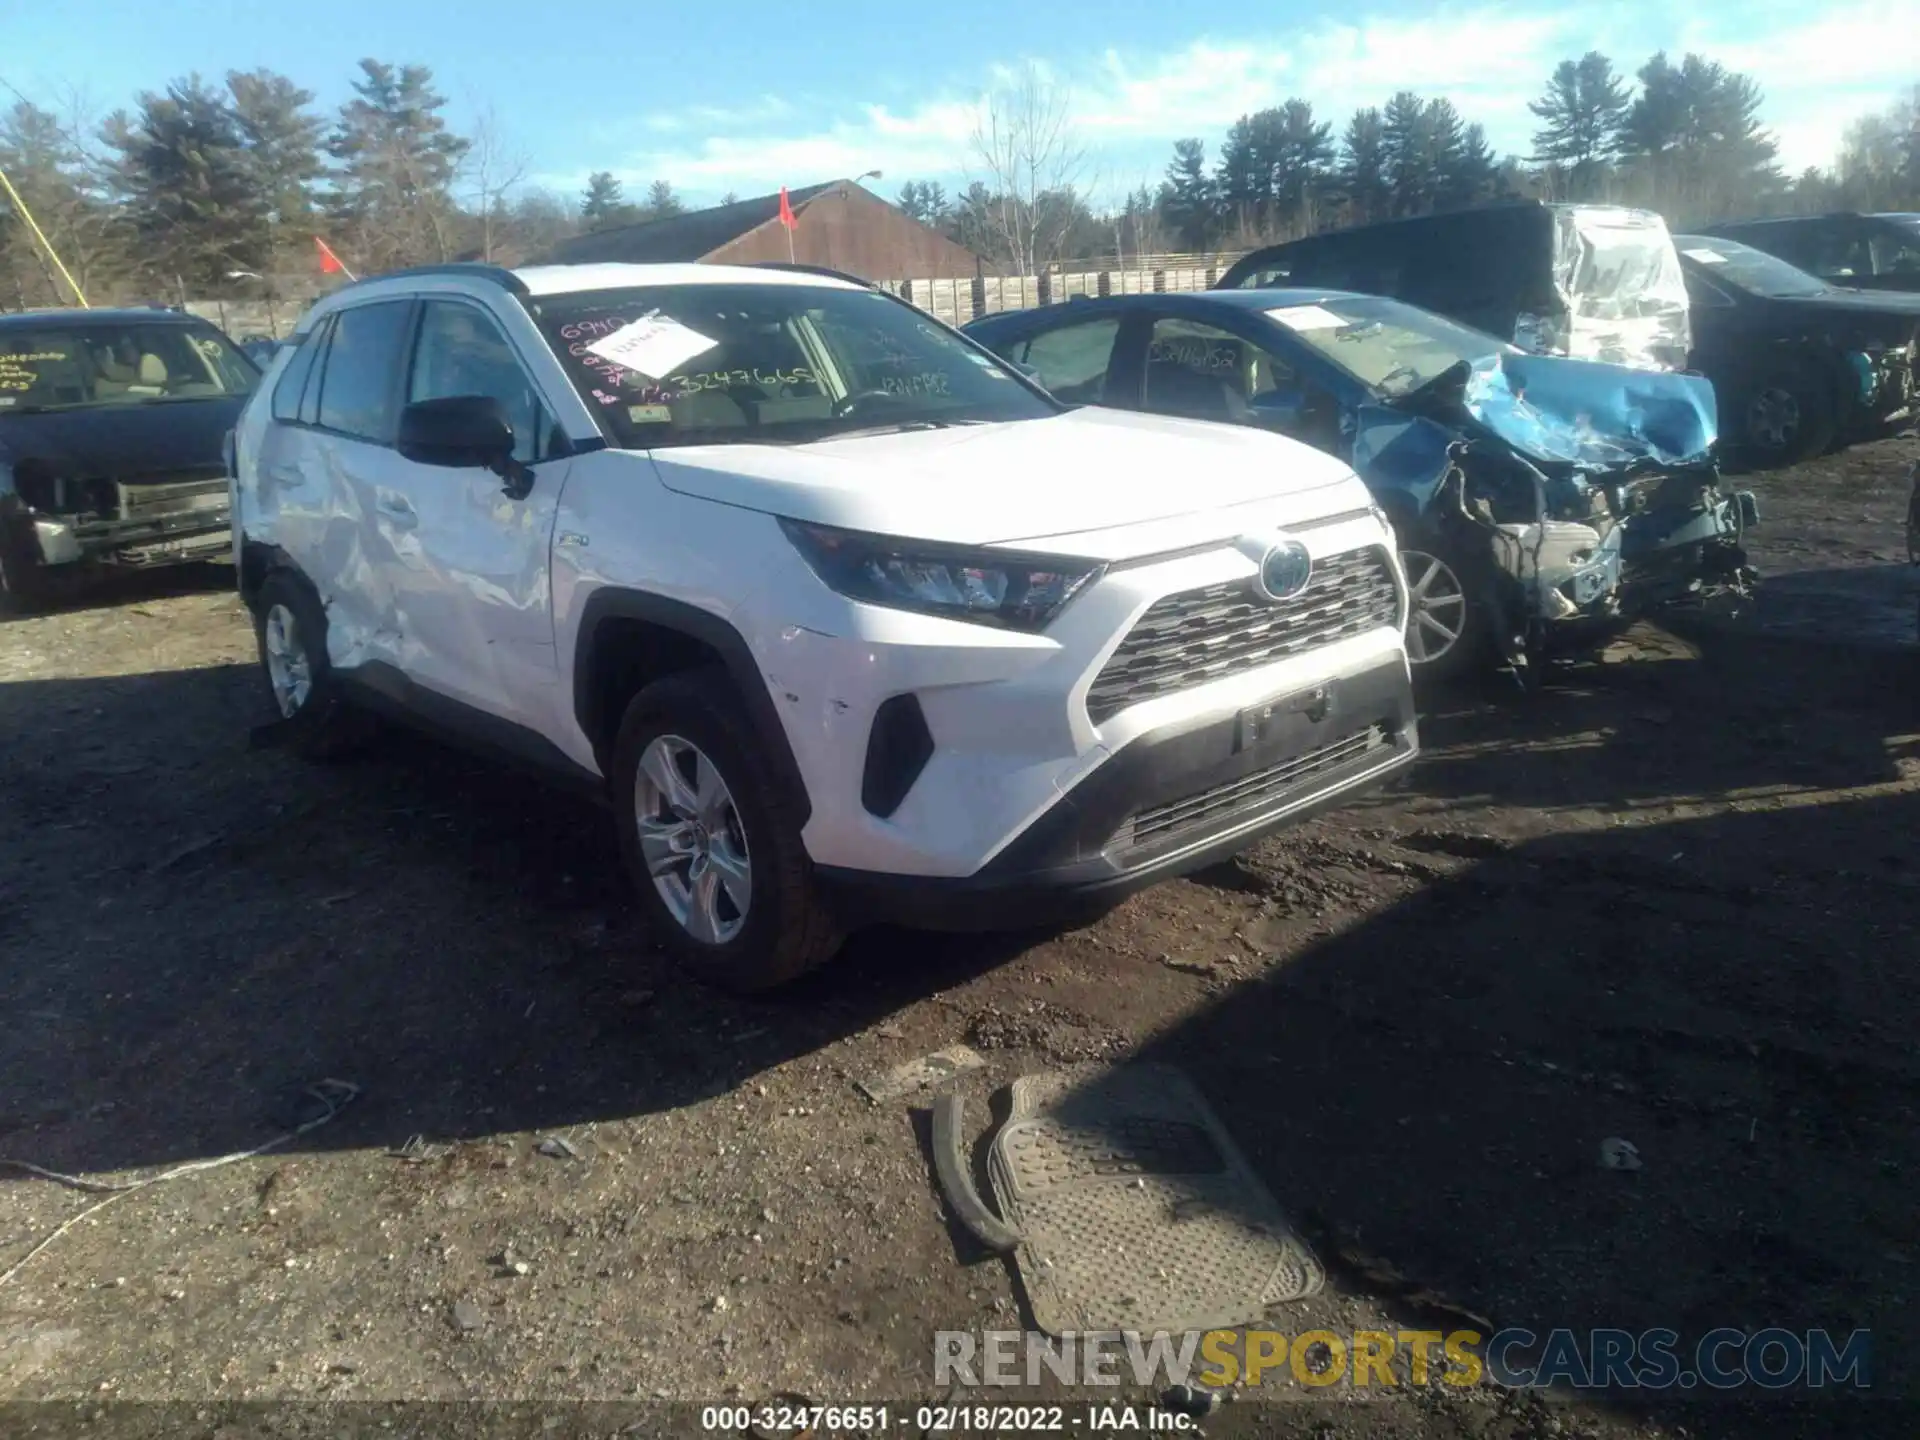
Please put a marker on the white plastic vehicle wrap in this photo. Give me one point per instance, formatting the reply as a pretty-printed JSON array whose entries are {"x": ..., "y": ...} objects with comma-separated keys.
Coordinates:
[{"x": 1622, "y": 297}]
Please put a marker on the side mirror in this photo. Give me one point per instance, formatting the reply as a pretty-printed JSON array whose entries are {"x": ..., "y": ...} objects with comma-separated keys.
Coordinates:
[{"x": 460, "y": 431}]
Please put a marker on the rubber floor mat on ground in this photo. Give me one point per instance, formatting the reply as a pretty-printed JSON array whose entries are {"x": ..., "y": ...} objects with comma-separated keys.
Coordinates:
[{"x": 1137, "y": 1210}]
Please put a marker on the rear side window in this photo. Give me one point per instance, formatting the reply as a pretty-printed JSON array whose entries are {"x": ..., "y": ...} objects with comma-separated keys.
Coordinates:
[
  {"x": 359, "y": 387},
  {"x": 293, "y": 379},
  {"x": 1072, "y": 361}
]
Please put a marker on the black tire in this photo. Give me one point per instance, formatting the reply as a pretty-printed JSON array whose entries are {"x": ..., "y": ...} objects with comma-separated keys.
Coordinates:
[
  {"x": 1788, "y": 415},
  {"x": 786, "y": 929},
  {"x": 321, "y": 724},
  {"x": 1426, "y": 558}
]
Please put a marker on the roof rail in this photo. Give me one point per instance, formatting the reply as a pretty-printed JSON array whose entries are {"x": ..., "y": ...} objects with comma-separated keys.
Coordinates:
[
  {"x": 825, "y": 270},
  {"x": 471, "y": 269}
]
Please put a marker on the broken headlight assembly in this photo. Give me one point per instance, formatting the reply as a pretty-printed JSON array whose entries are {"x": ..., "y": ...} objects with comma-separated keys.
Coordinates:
[{"x": 987, "y": 587}]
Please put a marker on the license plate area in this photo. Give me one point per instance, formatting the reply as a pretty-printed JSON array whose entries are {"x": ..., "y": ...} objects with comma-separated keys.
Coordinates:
[{"x": 1298, "y": 718}]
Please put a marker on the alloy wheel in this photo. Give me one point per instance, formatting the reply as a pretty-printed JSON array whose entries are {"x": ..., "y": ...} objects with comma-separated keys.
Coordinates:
[
  {"x": 1436, "y": 607},
  {"x": 289, "y": 668},
  {"x": 1773, "y": 418},
  {"x": 692, "y": 839}
]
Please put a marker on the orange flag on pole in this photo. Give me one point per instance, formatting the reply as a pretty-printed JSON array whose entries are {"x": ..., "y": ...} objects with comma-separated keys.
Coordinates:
[
  {"x": 787, "y": 219},
  {"x": 331, "y": 263}
]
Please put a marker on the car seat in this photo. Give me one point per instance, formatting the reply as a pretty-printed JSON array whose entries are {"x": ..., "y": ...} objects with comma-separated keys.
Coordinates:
[{"x": 1174, "y": 389}]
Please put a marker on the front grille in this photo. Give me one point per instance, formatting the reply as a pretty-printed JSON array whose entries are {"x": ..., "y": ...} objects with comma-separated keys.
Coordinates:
[
  {"x": 1249, "y": 793},
  {"x": 1197, "y": 636},
  {"x": 173, "y": 493}
]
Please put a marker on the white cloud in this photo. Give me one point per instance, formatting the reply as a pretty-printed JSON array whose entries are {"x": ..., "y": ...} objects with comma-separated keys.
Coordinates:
[{"x": 1818, "y": 73}]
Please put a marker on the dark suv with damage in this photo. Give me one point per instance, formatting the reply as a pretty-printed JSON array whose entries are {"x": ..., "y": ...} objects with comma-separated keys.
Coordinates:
[{"x": 112, "y": 425}]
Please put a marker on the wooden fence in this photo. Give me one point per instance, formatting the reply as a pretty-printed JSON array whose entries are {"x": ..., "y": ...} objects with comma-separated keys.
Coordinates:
[{"x": 957, "y": 301}]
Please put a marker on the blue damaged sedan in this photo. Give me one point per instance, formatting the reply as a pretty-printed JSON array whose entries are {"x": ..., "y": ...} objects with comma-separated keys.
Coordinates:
[{"x": 1540, "y": 503}]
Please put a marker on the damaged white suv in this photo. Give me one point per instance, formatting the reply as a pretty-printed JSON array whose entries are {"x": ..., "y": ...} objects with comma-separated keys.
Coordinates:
[{"x": 847, "y": 619}]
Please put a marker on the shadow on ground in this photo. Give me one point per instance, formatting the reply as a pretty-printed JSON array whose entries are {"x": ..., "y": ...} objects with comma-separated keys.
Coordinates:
[
  {"x": 1735, "y": 995},
  {"x": 100, "y": 589},
  {"x": 195, "y": 931}
]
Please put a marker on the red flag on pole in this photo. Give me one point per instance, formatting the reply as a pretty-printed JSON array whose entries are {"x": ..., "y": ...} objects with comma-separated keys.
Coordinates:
[
  {"x": 786, "y": 219},
  {"x": 330, "y": 263}
]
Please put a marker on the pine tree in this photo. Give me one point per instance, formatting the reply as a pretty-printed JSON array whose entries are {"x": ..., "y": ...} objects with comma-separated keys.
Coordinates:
[
  {"x": 1187, "y": 197},
  {"x": 1362, "y": 173},
  {"x": 661, "y": 201},
  {"x": 603, "y": 205},
  {"x": 1694, "y": 130},
  {"x": 1407, "y": 148},
  {"x": 188, "y": 185},
  {"x": 397, "y": 162},
  {"x": 1302, "y": 165},
  {"x": 282, "y": 138},
  {"x": 1582, "y": 114}
]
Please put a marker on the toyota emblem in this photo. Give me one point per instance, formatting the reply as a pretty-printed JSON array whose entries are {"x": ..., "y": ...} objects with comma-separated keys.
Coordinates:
[{"x": 1285, "y": 571}]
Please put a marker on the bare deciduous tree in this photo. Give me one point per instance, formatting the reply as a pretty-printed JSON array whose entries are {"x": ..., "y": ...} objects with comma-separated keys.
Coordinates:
[
  {"x": 497, "y": 169},
  {"x": 1035, "y": 164}
]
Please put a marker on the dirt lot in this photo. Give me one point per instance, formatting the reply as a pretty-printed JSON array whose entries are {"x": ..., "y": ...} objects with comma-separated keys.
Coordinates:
[{"x": 1673, "y": 898}]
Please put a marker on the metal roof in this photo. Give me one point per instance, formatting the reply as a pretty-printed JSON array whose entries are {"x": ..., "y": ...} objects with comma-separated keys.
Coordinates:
[{"x": 687, "y": 236}]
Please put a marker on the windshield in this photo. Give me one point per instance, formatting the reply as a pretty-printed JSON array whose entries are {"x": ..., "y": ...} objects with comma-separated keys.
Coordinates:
[
  {"x": 1748, "y": 269},
  {"x": 65, "y": 367},
  {"x": 1391, "y": 348},
  {"x": 774, "y": 364}
]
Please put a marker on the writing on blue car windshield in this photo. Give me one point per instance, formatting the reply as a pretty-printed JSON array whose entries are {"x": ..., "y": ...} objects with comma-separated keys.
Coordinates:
[
  {"x": 772, "y": 363},
  {"x": 1392, "y": 349}
]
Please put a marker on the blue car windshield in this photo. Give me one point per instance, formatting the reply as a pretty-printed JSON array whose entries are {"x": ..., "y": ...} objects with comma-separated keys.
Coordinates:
[{"x": 1391, "y": 348}]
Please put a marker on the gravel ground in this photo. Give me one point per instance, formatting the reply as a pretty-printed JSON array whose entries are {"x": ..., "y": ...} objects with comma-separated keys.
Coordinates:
[{"x": 1671, "y": 898}]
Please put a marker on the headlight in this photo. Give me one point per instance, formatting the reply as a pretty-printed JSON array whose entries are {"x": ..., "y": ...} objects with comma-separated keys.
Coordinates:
[{"x": 988, "y": 587}]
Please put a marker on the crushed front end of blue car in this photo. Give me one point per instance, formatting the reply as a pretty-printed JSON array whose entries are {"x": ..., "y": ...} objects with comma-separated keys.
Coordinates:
[{"x": 1577, "y": 495}]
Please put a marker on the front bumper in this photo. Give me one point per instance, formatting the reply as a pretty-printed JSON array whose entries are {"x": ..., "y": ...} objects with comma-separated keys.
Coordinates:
[
  {"x": 1171, "y": 801},
  {"x": 149, "y": 540}
]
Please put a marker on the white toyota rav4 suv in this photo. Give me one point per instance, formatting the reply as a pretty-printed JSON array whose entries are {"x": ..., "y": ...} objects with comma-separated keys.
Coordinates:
[{"x": 847, "y": 619}]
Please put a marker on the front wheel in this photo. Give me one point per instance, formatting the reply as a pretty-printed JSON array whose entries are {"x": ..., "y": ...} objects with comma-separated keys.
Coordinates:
[
  {"x": 291, "y": 628},
  {"x": 1444, "y": 623},
  {"x": 710, "y": 841},
  {"x": 1788, "y": 417}
]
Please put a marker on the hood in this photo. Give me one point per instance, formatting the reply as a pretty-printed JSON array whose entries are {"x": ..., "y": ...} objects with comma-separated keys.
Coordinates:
[
  {"x": 122, "y": 441},
  {"x": 1887, "y": 316},
  {"x": 1592, "y": 416},
  {"x": 1851, "y": 301},
  {"x": 1085, "y": 470}
]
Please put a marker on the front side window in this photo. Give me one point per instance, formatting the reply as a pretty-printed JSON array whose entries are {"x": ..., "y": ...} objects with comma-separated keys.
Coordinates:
[
  {"x": 1897, "y": 251},
  {"x": 118, "y": 363},
  {"x": 1203, "y": 373},
  {"x": 774, "y": 364},
  {"x": 357, "y": 383},
  {"x": 1841, "y": 253},
  {"x": 292, "y": 384},
  {"x": 462, "y": 352},
  {"x": 1072, "y": 361}
]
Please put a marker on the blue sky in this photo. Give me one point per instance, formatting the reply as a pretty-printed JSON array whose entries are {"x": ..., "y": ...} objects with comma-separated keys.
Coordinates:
[{"x": 753, "y": 94}]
